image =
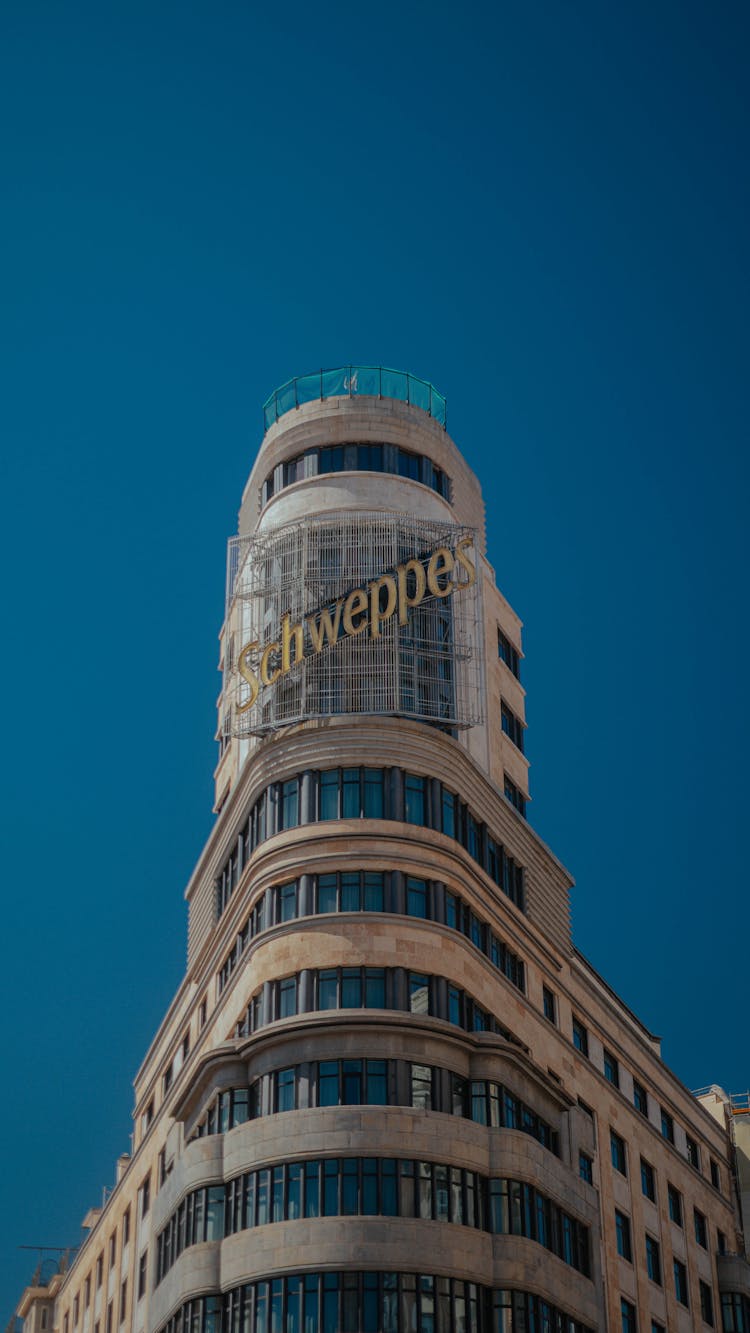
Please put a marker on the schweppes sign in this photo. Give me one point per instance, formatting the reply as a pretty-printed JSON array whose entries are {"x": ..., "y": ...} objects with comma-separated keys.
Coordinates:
[{"x": 363, "y": 611}]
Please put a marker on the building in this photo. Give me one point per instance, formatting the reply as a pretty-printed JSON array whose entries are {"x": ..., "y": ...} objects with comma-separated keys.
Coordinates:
[{"x": 390, "y": 1095}]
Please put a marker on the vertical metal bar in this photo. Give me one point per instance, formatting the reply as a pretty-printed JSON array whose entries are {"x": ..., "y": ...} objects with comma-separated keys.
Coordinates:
[{"x": 350, "y": 381}]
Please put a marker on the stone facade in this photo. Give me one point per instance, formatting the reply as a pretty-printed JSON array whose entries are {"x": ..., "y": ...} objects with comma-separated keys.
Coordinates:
[{"x": 492, "y": 1050}]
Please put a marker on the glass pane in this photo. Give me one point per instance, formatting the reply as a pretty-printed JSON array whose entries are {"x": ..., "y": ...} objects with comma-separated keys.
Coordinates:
[
  {"x": 350, "y": 892},
  {"x": 328, "y": 1083},
  {"x": 375, "y": 988},
  {"x": 416, "y": 897},
  {"x": 328, "y": 985},
  {"x": 377, "y": 1083},
  {"x": 288, "y": 901},
  {"x": 414, "y": 800},
  {"x": 373, "y": 793},
  {"x": 329, "y": 794},
  {"x": 419, "y": 393},
  {"x": 352, "y": 1080},
  {"x": 350, "y": 1187},
  {"x": 389, "y": 1192},
  {"x": 367, "y": 381},
  {"x": 331, "y": 1187},
  {"x": 351, "y": 808},
  {"x": 312, "y": 1189},
  {"x": 393, "y": 384},
  {"x": 351, "y": 988},
  {"x": 335, "y": 383},
  {"x": 419, "y": 993},
  {"x": 374, "y": 892},
  {"x": 327, "y": 893}
]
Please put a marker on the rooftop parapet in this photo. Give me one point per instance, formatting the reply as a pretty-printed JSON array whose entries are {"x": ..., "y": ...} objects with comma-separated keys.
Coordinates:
[{"x": 355, "y": 382}]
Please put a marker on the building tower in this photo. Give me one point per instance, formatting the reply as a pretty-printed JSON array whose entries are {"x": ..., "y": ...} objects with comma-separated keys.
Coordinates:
[{"x": 390, "y": 1096}]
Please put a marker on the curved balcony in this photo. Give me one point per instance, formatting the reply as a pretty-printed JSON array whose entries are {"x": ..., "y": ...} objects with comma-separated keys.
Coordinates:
[{"x": 355, "y": 382}]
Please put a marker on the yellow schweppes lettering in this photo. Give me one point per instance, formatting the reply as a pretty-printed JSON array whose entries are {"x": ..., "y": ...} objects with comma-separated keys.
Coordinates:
[{"x": 362, "y": 611}]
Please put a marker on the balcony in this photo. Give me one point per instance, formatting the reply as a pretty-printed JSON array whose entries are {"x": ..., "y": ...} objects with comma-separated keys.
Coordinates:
[{"x": 355, "y": 382}]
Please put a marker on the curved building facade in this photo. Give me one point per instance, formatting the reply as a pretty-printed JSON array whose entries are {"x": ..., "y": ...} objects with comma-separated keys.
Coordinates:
[{"x": 390, "y": 1096}]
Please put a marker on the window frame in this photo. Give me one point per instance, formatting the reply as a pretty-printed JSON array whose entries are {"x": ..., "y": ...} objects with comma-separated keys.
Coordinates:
[
  {"x": 611, "y": 1068},
  {"x": 648, "y": 1176},
  {"x": 653, "y": 1260},
  {"x": 580, "y": 1037},
  {"x": 618, "y": 1152},
  {"x": 623, "y": 1236}
]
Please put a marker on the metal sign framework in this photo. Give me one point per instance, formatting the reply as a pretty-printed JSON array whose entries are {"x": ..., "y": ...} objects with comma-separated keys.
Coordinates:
[{"x": 429, "y": 668}]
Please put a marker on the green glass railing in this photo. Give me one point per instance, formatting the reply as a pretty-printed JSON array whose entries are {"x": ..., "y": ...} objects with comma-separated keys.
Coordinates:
[{"x": 355, "y": 382}]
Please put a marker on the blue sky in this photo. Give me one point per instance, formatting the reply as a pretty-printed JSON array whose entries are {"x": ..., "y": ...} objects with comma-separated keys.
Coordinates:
[{"x": 544, "y": 209}]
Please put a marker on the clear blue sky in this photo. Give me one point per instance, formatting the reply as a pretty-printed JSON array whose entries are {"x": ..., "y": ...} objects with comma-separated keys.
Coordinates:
[{"x": 541, "y": 207}]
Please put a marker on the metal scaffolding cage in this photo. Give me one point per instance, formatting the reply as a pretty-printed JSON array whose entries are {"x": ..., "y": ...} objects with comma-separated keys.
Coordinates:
[{"x": 429, "y": 668}]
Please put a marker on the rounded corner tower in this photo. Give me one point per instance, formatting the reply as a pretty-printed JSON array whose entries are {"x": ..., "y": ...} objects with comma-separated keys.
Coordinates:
[{"x": 367, "y": 890}]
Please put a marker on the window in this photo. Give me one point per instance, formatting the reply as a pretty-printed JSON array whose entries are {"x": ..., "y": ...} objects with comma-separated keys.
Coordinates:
[
  {"x": 715, "y": 1177},
  {"x": 707, "y": 1303},
  {"x": 611, "y": 1069},
  {"x": 421, "y": 1086},
  {"x": 721, "y": 1242},
  {"x": 419, "y": 993},
  {"x": 414, "y": 788},
  {"x": 511, "y": 725},
  {"x": 123, "y": 1300},
  {"x": 617, "y": 1148},
  {"x": 202, "y": 1013},
  {"x": 87, "y": 1293},
  {"x": 653, "y": 1259},
  {"x": 656, "y": 1327},
  {"x": 675, "y": 1204},
  {"x": 286, "y": 896},
  {"x": 667, "y": 1126},
  {"x": 508, "y": 653},
  {"x": 580, "y": 1036},
  {"x": 550, "y": 1007},
  {"x": 285, "y": 1090},
  {"x": 627, "y": 1313},
  {"x": 586, "y": 1168},
  {"x": 693, "y": 1152},
  {"x": 622, "y": 1230},
  {"x": 640, "y": 1098},
  {"x": 361, "y": 792},
  {"x": 145, "y": 1195},
  {"x": 287, "y": 997},
  {"x": 99, "y": 1271},
  {"x": 514, "y": 795},
  {"x": 112, "y": 1248},
  {"x": 648, "y": 1182},
  {"x": 76, "y": 1308},
  {"x": 290, "y": 804},
  {"x": 701, "y": 1229},
  {"x": 126, "y": 1228},
  {"x": 416, "y": 897},
  {"x": 147, "y": 1117},
  {"x": 680, "y": 1282},
  {"x": 142, "y": 1270},
  {"x": 108, "y": 1325}
]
